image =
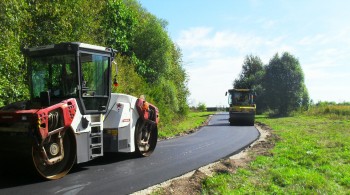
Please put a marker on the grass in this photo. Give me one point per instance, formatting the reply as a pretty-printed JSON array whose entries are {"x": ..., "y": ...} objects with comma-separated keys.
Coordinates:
[
  {"x": 333, "y": 111},
  {"x": 312, "y": 156},
  {"x": 177, "y": 127}
]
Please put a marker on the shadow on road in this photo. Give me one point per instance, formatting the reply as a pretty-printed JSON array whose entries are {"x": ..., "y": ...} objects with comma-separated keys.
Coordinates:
[
  {"x": 219, "y": 124},
  {"x": 223, "y": 119},
  {"x": 20, "y": 172},
  {"x": 107, "y": 158},
  {"x": 17, "y": 172}
]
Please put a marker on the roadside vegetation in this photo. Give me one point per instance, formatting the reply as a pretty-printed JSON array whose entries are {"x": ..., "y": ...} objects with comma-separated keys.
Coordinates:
[
  {"x": 149, "y": 62},
  {"x": 193, "y": 121},
  {"x": 311, "y": 156}
]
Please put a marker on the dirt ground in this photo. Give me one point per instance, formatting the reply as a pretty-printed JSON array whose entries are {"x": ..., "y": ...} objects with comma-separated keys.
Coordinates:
[{"x": 190, "y": 183}]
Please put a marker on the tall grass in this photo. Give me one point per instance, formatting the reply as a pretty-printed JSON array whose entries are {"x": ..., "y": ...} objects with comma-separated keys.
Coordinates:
[{"x": 330, "y": 110}]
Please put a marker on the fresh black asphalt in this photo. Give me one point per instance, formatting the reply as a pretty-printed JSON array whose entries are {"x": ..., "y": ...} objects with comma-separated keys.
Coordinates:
[{"x": 125, "y": 174}]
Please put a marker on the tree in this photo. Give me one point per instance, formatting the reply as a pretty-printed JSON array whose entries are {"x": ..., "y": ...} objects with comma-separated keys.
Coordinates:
[
  {"x": 158, "y": 61},
  {"x": 251, "y": 78},
  {"x": 119, "y": 25},
  {"x": 51, "y": 22},
  {"x": 32, "y": 23},
  {"x": 252, "y": 73},
  {"x": 177, "y": 74},
  {"x": 13, "y": 73},
  {"x": 284, "y": 84},
  {"x": 305, "y": 99},
  {"x": 201, "y": 107},
  {"x": 152, "y": 46}
]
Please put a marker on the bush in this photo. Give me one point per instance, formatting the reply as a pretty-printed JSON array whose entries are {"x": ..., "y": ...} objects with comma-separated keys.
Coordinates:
[{"x": 201, "y": 107}]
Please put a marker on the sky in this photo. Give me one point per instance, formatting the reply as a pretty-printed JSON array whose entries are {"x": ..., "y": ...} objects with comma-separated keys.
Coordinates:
[{"x": 216, "y": 36}]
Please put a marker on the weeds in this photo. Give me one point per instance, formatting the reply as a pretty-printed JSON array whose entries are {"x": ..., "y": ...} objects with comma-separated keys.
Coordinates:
[
  {"x": 330, "y": 110},
  {"x": 311, "y": 157}
]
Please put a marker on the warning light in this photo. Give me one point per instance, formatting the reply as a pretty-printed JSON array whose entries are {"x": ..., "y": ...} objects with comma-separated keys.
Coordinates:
[{"x": 115, "y": 83}]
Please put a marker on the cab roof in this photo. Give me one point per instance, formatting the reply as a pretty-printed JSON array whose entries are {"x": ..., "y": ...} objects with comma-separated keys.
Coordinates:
[{"x": 65, "y": 47}]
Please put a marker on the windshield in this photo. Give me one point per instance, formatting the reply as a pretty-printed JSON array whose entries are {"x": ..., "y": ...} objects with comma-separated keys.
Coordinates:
[
  {"x": 56, "y": 74},
  {"x": 240, "y": 98}
]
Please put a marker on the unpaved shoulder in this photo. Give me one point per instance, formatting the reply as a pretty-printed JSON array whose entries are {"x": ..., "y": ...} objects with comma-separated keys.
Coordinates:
[{"x": 190, "y": 183}]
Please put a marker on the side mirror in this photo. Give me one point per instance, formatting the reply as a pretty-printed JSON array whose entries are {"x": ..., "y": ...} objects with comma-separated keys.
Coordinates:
[{"x": 226, "y": 93}]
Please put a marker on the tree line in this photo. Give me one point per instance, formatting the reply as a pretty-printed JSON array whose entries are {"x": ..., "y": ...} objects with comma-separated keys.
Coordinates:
[
  {"x": 149, "y": 62},
  {"x": 279, "y": 85}
]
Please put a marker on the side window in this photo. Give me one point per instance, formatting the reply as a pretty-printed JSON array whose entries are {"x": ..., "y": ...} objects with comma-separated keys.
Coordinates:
[{"x": 229, "y": 98}]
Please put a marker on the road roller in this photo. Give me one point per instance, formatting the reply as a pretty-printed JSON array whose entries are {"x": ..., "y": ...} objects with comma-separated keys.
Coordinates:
[
  {"x": 71, "y": 116},
  {"x": 242, "y": 107}
]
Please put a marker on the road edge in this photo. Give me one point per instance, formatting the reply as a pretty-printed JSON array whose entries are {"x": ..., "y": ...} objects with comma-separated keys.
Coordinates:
[{"x": 209, "y": 170}]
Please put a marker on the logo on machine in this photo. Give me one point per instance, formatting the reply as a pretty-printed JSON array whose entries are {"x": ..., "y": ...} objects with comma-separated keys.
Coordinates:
[{"x": 119, "y": 106}]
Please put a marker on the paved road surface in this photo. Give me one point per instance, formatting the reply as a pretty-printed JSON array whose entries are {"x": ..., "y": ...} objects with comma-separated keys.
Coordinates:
[{"x": 124, "y": 174}]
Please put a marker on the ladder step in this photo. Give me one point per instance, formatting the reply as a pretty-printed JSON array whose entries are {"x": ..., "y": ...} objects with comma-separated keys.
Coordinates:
[
  {"x": 99, "y": 145},
  {"x": 95, "y": 155},
  {"x": 95, "y": 134},
  {"x": 95, "y": 152},
  {"x": 95, "y": 124}
]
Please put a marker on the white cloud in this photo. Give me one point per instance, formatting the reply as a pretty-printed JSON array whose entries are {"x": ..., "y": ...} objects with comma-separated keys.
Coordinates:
[
  {"x": 329, "y": 92},
  {"x": 209, "y": 82},
  {"x": 311, "y": 40},
  {"x": 193, "y": 37},
  {"x": 335, "y": 37},
  {"x": 324, "y": 58},
  {"x": 206, "y": 38},
  {"x": 267, "y": 24},
  {"x": 215, "y": 59}
]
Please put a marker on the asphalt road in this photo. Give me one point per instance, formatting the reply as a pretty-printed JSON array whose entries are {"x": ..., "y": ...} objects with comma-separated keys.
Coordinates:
[{"x": 124, "y": 174}]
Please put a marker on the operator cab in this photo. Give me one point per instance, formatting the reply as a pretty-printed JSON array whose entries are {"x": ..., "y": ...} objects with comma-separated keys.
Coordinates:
[
  {"x": 70, "y": 70},
  {"x": 240, "y": 97}
]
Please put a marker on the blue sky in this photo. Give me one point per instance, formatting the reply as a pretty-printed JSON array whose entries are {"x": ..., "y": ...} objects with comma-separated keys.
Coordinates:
[{"x": 216, "y": 36}]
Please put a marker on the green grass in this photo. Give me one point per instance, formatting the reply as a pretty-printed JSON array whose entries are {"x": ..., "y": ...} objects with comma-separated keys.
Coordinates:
[
  {"x": 312, "y": 156},
  {"x": 192, "y": 121}
]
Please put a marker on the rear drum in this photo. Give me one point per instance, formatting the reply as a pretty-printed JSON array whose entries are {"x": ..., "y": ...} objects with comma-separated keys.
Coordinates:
[{"x": 146, "y": 135}]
